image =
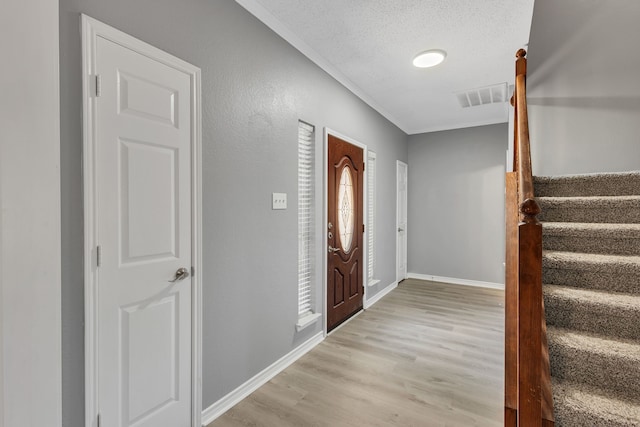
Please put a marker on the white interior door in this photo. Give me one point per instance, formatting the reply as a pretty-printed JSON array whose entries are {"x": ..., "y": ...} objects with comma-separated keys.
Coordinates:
[
  {"x": 144, "y": 289},
  {"x": 401, "y": 215}
]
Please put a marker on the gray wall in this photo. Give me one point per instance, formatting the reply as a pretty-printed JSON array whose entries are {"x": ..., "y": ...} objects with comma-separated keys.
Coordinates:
[
  {"x": 30, "y": 365},
  {"x": 583, "y": 86},
  {"x": 255, "y": 88},
  {"x": 456, "y": 203}
]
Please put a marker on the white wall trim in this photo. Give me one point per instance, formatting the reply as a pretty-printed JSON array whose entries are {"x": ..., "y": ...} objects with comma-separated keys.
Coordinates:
[
  {"x": 91, "y": 31},
  {"x": 452, "y": 126},
  {"x": 377, "y": 297},
  {"x": 233, "y": 398},
  {"x": 325, "y": 207},
  {"x": 455, "y": 281}
]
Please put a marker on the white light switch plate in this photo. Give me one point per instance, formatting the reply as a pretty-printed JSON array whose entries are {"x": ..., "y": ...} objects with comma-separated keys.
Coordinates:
[{"x": 279, "y": 201}]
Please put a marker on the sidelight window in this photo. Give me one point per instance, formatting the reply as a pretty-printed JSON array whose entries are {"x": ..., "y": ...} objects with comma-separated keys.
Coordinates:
[
  {"x": 306, "y": 208},
  {"x": 371, "y": 216}
]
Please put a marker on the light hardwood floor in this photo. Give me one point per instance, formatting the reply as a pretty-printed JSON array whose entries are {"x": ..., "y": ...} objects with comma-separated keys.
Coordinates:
[{"x": 427, "y": 354}]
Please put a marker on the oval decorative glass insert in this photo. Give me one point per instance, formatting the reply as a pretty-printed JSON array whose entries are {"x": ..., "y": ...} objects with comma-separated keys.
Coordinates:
[{"x": 345, "y": 210}]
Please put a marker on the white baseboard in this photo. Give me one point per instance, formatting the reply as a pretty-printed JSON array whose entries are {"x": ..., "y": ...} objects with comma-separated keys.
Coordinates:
[
  {"x": 370, "y": 301},
  {"x": 455, "y": 281},
  {"x": 231, "y": 399}
]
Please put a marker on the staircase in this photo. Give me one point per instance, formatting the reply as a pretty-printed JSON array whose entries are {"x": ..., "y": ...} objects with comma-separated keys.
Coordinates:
[{"x": 591, "y": 287}]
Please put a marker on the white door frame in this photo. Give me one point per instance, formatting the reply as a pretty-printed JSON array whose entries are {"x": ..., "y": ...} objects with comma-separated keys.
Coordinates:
[
  {"x": 398, "y": 163},
  {"x": 91, "y": 31},
  {"x": 324, "y": 216}
]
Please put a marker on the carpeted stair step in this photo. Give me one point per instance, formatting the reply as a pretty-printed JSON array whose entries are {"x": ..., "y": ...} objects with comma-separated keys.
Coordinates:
[
  {"x": 614, "y": 273},
  {"x": 595, "y": 238},
  {"x": 591, "y": 271},
  {"x": 602, "y": 313},
  {"x": 603, "y": 209},
  {"x": 610, "y": 365},
  {"x": 578, "y": 405},
  {"x": 602, "y": 184}
]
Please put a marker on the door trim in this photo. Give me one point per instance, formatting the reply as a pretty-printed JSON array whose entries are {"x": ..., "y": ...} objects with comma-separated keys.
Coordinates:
[
  {"x": 398, "y": 279},
  {"x": 91, "y": 31},
  {"x": 324, "y": 216}
]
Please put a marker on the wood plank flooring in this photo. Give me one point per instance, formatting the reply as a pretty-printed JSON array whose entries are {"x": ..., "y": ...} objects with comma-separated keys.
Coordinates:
[{"x": 428, "y": 354}]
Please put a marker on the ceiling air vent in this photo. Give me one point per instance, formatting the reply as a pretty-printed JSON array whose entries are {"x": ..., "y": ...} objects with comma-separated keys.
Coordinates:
[{"x": 483, "y": 95}]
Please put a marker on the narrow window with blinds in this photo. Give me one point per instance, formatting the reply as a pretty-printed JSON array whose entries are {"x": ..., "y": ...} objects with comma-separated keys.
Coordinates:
[
  {"x": 371, "y": 217},
  {"x": 306, "y": 208}
]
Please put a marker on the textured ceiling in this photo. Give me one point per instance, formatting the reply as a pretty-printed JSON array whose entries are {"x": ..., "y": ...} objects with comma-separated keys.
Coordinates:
[{"x": 368, "y": 46}]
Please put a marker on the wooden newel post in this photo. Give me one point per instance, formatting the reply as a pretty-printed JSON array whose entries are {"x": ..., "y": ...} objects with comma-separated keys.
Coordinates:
[
  {"x": 511, "y": 302},
  {"x": 530, "y": 333},
  {"x": 530, "y": 316}
]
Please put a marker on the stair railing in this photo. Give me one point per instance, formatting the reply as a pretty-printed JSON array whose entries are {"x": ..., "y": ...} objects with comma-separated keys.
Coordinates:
[{"x": 528, "y": 399}]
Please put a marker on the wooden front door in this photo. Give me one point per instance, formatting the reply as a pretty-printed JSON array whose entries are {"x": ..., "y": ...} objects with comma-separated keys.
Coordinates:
[{"x": 345, "y": 229}]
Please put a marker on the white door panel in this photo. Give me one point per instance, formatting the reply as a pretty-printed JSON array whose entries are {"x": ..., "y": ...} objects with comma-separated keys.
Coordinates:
[
  {"x": 144, "y": 145},
  {"x": 148, "y": 99},
  {"x": 149, "y": 351},
  {"x": 149, "y": 223}
]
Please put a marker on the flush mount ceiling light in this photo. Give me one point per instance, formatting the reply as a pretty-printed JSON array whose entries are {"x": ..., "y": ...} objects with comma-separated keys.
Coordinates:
[{"x": 429, "y": 58}]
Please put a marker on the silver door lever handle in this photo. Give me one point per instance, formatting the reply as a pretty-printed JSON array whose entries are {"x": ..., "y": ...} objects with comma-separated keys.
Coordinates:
[
  {"x": 332, "y": 249},
  {"x": 181, "y": 273}
]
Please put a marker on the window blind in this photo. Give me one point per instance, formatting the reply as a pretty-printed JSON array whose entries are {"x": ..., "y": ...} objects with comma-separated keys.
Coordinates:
[
  {"x": 371, "y": 214},
  {"x": 306, "y": 206}
]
